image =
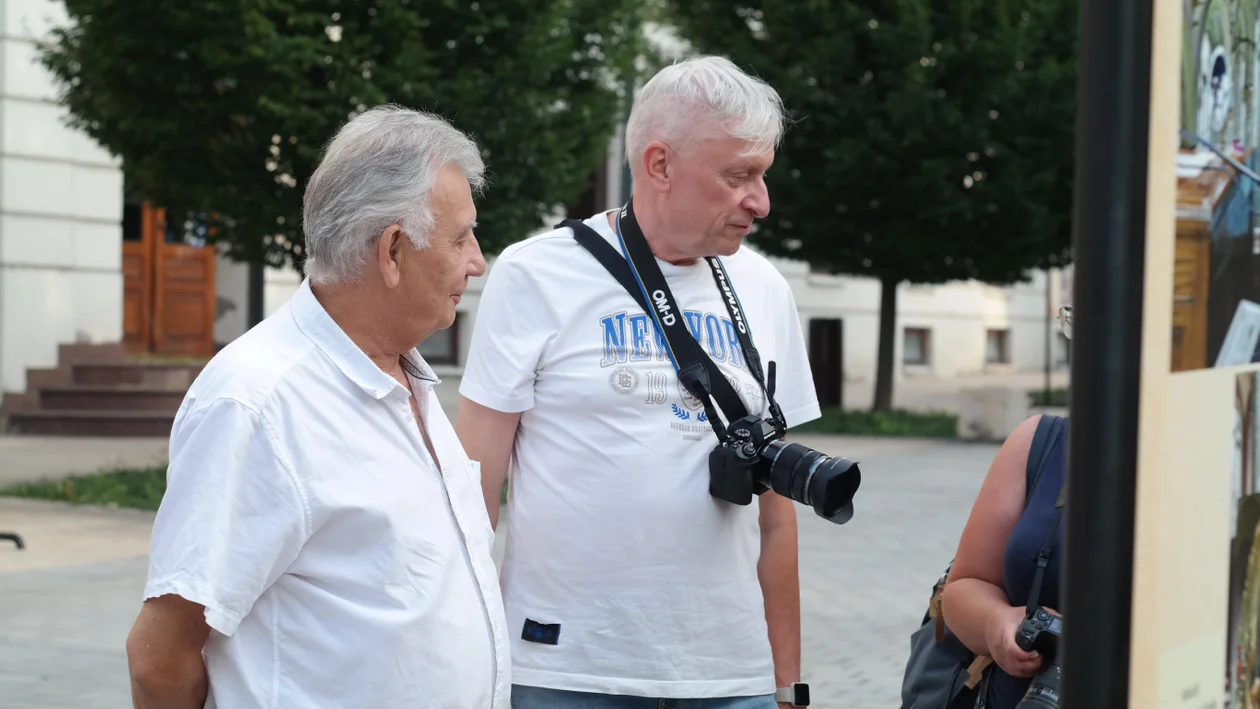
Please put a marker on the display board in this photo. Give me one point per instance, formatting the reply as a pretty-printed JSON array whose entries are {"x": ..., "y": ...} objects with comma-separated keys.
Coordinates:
[{"x": 1195, "y": 623}]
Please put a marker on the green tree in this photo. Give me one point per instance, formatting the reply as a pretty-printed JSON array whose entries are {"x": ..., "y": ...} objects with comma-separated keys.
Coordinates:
[
  {"x": 931, "y": 140},
  {"x": 222, "y": 107}
]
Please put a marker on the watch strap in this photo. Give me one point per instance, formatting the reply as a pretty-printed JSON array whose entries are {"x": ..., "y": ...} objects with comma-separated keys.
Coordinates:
[{"x": 795, "y": 694}]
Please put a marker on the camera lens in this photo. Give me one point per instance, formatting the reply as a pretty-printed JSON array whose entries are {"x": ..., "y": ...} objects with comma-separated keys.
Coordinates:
[
  {"x": 811, "y": 478},
  {"x": 1043, "y": 691}
]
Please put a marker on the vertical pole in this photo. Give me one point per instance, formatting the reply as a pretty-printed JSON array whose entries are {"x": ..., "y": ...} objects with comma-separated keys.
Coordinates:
[
  {"x": 1049, "y": 339},
  {"x": 1109, "y": 236}
]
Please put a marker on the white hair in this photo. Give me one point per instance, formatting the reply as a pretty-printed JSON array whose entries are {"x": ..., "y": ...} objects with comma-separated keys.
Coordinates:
[
  {"x": 376, "y": 172},
  {"x": 673, "y": 105}
]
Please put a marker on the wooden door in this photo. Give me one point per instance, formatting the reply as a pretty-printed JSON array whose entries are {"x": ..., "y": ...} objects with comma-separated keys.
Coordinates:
[
  {"x": 826, "y": 360},
  {"x": 137, "y": 267},
  {"x": 1199, "y": 201},
  {"x": 169, "y": 296},
  {"x": 1191, "y": 275},
  {"x": 183, "y": 295}
]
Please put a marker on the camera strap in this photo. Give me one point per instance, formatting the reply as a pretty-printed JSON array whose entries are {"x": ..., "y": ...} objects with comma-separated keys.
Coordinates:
[
  {"x": 1043, "y": 560},
  {"x": 698, "y": 381},
  {"x": 637, "y": 271},
  {"x": 742, "y": 334}
]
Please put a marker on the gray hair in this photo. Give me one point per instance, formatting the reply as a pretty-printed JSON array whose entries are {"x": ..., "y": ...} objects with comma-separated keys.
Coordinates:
[
  {"x": 377, "y": 171},
  {"x": 679, "y": 97}
]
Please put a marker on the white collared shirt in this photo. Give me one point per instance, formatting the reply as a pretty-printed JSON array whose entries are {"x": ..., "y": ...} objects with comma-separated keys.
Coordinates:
[{"x": 339, "y": 566}]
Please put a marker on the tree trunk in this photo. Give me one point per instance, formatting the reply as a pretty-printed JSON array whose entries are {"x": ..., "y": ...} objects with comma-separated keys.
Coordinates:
[
  {"x": 257, "y": 293},
  {"x": 887, "y": 342}
]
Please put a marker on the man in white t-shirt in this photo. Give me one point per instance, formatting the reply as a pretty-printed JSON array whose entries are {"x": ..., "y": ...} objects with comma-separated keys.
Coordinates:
[
  {"x": 323, "y": 541},
  {"x": 625, "y": 581}
]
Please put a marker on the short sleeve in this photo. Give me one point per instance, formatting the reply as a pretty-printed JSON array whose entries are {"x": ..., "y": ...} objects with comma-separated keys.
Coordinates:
[
  {"x": 513, "y": 327},
  {"x": 794, "y": 380},
  {"x": 233, "y": 517}
]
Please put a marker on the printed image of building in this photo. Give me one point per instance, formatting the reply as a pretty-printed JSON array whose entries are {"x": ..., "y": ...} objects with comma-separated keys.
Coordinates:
[{"x": 1216, "y": 298}]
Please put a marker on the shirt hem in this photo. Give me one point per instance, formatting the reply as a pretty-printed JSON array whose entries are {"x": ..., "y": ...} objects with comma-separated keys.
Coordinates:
[
  {"x": 224, "y": 621},
  {"x": 479, "y": 395},
  {"x": 666, "y": 689},
  {"x": 802, "y": 414}
]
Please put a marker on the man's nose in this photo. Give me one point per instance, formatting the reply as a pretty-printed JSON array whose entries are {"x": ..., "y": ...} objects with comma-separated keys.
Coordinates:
[
  {"x": 758, "y": 201},
  {"x": 478, "y": 265}
]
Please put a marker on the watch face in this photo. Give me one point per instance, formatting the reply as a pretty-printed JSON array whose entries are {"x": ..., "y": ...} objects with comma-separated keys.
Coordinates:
[{"x": 802, "y": 695}]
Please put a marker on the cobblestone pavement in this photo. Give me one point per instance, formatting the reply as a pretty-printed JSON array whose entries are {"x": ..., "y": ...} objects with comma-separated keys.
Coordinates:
[
  {"x": 68, "y": 600},
  {"x": 865, "y": 585}
]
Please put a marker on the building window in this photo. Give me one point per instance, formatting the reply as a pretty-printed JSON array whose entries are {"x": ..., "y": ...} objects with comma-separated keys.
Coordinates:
[
  {"x": 997, "y": 347},
  {"x": 442, "y": 347},
  {"x": 916, "y": 346}
]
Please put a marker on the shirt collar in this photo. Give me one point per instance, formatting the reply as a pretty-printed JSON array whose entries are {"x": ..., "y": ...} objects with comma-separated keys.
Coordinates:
[{"x": 313, "y": 320}]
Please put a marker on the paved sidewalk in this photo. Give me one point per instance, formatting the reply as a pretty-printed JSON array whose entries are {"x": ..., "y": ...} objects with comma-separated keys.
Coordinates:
[
  {"x": 68, "y": 600},
  {"x": 24, "y": 458},
  {"x": 865, "y": 584}
]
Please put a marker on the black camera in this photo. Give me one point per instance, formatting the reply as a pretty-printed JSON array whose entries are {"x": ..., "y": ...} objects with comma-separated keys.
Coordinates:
[
  {"x": 1040, "y": 633},
  {"x": 755, "y": 458}
]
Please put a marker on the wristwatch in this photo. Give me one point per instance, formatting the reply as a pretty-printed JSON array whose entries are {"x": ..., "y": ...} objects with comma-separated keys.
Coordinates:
[{"x": 796, "y": 695}]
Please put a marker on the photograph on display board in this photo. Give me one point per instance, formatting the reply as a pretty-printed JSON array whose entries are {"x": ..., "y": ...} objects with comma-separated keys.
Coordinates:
[
  {"x": 1242, "y": 664},
  {"x": 1216, "y": 291}
]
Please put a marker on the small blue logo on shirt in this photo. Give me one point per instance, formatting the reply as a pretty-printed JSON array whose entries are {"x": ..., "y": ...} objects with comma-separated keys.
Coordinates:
[{"x": 536, "y": 632}]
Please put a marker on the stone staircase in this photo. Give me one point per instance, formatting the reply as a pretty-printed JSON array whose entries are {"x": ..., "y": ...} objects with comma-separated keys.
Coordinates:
[{"x": 98, "y": 390}]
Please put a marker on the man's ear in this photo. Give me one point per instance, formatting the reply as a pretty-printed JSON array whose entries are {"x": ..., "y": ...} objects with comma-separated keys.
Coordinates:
[
  {"x": 389, "y": 255},
  {"x": 657, "y": 157}
]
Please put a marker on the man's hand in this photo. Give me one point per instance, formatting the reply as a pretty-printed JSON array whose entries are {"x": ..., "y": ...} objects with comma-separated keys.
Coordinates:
[
  {"x": 164, "y": 655},
  {"x": 780, "y": 585}
]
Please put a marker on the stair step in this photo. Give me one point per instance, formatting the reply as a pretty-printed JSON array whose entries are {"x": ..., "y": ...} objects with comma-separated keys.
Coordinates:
[
  {"x": 128, "y": 397},
  {"x": 165, "y": 375},
  {"x": 73, "y": 353},
  {"x": 92, "y": 422}
]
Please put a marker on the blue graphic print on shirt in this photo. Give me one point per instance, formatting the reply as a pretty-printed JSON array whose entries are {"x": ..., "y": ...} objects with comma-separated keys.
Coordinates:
[{"x": 634, "y": 337}]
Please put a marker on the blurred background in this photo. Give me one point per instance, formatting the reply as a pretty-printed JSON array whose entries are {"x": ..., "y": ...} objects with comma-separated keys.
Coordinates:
[{"x": 152, "y": 162}]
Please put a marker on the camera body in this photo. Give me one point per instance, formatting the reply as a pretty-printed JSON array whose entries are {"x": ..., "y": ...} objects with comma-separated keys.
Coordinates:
[
  {"x": 755, "y": 458},
  {"x": 1040, "y": 633},
  {"x": 733, "y": 474}
]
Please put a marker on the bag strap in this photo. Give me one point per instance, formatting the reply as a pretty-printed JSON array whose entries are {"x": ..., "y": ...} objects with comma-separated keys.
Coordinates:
[
  {"x": 1049, "y": 428},
  {"x": 615, "y": 264},
  {"x": 1044, "y": 441}
]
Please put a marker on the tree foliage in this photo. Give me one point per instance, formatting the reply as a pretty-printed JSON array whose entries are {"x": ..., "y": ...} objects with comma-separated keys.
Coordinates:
[
  {"x": 222, "y": 107},
  {"x": 931, "y": 140}
]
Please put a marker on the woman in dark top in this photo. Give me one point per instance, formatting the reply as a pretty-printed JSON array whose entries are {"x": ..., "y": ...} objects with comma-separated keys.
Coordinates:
[{"x": 986, "y": 595}]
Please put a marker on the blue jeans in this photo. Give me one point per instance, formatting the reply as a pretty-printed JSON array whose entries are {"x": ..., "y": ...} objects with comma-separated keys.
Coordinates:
[{"x": 541, "y": 698}]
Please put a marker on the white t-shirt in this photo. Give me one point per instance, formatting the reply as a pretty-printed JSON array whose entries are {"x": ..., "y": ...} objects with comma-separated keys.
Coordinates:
[
  {"x": 612, "y": 533},
  {"x": 338, "y": 565}
]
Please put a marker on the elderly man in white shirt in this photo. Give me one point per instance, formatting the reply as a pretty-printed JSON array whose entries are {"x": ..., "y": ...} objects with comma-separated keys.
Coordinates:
[{"x": 323, "y": 540}]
